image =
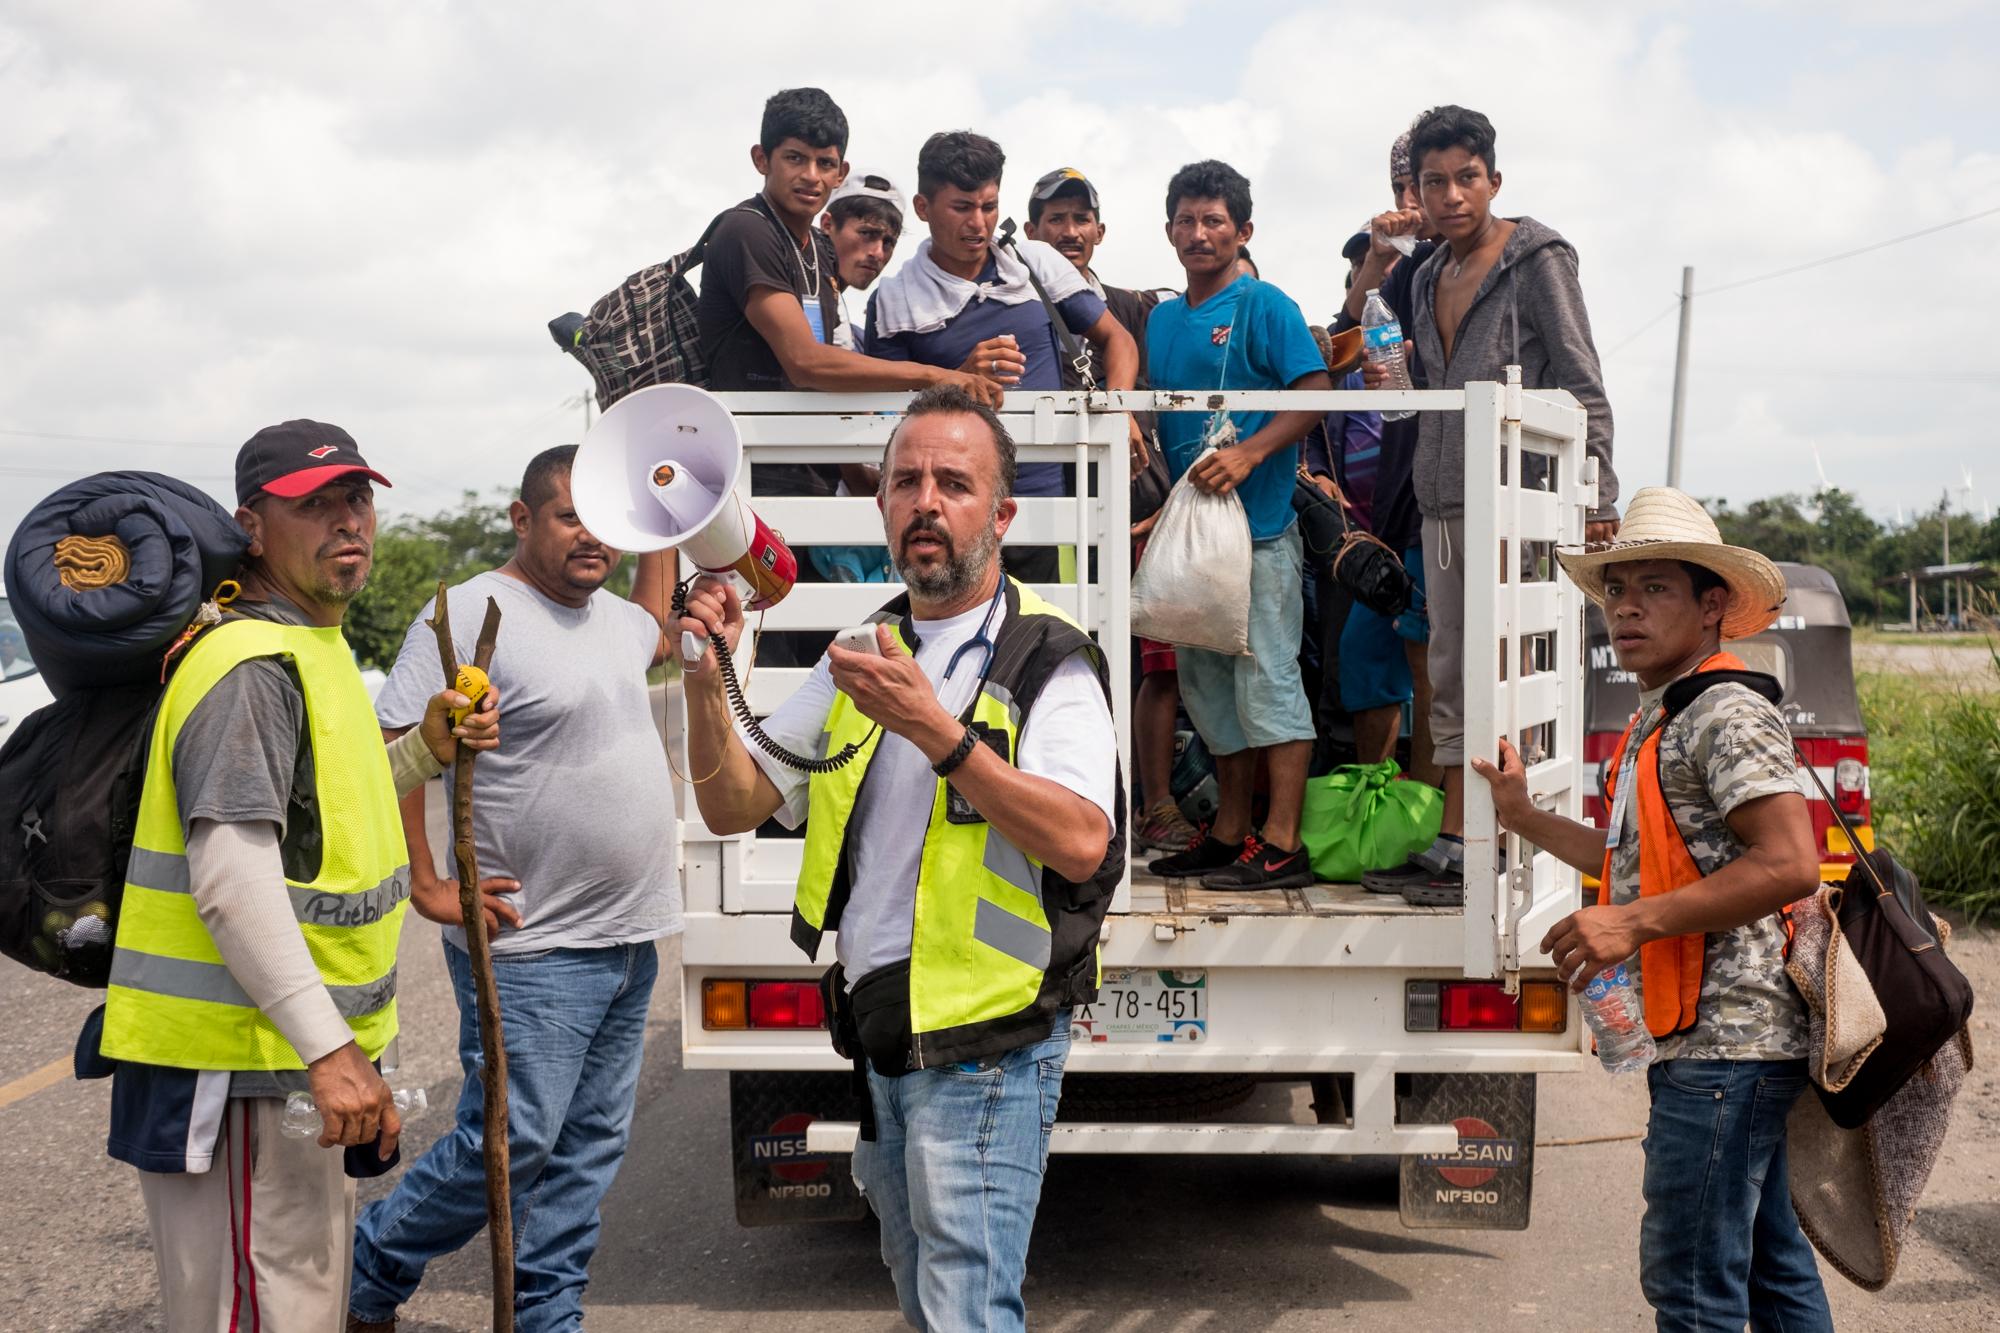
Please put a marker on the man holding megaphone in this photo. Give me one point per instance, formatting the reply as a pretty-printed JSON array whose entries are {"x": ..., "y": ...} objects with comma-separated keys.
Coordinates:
[{"x": 965, "y": 856}]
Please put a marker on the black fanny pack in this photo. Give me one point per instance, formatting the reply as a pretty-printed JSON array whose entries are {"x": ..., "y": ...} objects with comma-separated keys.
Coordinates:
[{"x": 871, "y": 1023}]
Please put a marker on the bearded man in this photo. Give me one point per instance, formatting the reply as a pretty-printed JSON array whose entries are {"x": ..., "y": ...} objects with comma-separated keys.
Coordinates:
[{"x": 965, "y": 854}]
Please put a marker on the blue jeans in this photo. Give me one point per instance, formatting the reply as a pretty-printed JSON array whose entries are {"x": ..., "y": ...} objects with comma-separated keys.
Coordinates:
[
  {"x": 574, "y": 1021},
  {"x": 955, "y": 1175},
  {"x": 1720, "y": 1245},
  {"x": 1243, "y": 703}
]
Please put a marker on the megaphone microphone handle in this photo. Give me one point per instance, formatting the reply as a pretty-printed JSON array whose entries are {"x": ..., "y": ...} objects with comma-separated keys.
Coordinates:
[{"x": 740, "y": 706}]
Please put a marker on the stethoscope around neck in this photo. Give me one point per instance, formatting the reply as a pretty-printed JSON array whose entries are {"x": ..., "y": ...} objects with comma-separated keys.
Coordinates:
[{"x": 981, "y": 640}]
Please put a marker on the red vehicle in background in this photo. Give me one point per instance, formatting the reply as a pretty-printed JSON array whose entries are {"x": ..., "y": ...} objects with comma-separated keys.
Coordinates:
[{"x": 1808, "y": 651}]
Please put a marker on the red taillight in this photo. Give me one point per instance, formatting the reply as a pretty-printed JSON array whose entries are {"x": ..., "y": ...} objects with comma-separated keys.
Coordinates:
[
  {"x": 1476, "y": 1007},
  {"x": 1484, "y": 1006},
  {"x": 786, "y": 1004},
  {"x": 1850, "y": 786}
]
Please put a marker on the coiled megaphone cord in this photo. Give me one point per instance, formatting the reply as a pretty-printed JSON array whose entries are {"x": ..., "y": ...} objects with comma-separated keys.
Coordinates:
[{"x": 740, "y": 706}]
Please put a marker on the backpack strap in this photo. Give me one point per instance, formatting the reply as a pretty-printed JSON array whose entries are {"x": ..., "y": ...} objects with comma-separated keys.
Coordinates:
[
  {"x": 1079, "y": 360},
  {"x": 1689, "y": 688}
]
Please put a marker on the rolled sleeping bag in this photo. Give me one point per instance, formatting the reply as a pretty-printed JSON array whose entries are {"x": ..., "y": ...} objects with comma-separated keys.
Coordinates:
[{"x": 101, "y": 611}]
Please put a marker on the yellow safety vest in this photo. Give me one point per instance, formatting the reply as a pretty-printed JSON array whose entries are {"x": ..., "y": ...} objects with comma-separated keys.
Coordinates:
[
  {"x": 1000, "y": 944},
  {"x": 172, "y": 1001}
]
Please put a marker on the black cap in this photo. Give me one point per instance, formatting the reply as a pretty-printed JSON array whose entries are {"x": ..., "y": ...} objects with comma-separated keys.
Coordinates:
[
  {"x": 1063, "y": 180},
  {"x": 296, "y": 458},
  {"x": 1357, "y": 246}
]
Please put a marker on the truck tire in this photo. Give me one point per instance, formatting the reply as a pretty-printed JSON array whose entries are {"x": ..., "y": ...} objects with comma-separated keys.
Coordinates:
[{"x": 1137, "y": 1098}]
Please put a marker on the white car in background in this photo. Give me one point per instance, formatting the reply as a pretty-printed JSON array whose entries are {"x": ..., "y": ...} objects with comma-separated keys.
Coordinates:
[{"x": 22, "y": 689}]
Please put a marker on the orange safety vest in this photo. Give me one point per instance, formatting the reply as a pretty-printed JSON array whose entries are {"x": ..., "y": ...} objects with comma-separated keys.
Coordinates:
[{"x": 1672, "y": 968}]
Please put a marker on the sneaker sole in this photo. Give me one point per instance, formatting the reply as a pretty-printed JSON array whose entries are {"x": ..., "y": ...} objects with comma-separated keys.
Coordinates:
[
  {"x": 1426, "y": 895},
  {"x": 1390, "y": 881},
  {"x": 1296, "y": 881}
]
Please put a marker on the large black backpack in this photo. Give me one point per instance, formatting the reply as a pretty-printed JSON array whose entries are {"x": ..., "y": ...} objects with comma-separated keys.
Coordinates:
[
  {"x": 70, "y": 777},
  {"x": 642, "y": 332}
]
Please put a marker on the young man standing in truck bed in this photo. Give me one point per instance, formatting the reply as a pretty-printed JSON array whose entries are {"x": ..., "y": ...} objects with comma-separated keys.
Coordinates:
[
  {"x": 1498, "y": 292},
  {"x": 1231, "y": 331}
]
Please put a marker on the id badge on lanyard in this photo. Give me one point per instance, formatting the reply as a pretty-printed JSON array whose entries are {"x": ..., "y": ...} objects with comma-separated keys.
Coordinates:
[
  {"x": 1621, "y": 798},
  {"x": 816, "y": 317}
]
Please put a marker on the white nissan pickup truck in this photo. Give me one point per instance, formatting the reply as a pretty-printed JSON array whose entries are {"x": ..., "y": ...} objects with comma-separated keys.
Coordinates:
[{"x": 1419, "y": 1030}]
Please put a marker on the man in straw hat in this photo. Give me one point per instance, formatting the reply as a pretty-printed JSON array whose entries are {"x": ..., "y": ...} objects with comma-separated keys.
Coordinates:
[{"x": 1709, "y": 843}]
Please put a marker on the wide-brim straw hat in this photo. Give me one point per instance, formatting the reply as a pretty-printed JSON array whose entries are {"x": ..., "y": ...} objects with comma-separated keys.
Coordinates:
[{"x": 1665, "y": 524}]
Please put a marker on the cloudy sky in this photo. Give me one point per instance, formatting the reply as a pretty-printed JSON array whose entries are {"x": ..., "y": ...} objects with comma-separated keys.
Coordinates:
[{"x": 215, "y": 216}]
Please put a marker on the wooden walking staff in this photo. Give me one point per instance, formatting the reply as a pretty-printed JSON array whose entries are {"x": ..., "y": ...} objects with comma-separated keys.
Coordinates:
[{"x": 493, "y": 1067}]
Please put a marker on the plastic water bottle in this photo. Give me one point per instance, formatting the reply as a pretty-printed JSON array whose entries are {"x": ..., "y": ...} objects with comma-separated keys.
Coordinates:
[
  {"x": 1612, "y": 1009},
  {"x": 302, "y": 1119},
  {"x": 1382, "y": 345}
]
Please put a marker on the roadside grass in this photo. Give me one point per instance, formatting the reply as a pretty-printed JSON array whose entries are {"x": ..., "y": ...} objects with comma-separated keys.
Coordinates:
[
  {"x": 1876, "y": 634},
  {"x": 1934, "y": 756}
]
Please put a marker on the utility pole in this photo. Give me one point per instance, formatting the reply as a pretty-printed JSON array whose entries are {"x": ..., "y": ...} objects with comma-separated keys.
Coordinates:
[{"x": 1680, "y": 381}]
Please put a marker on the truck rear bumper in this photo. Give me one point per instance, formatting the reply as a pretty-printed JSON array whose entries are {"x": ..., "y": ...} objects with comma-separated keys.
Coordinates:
[{"x": 834, "y": 1136}]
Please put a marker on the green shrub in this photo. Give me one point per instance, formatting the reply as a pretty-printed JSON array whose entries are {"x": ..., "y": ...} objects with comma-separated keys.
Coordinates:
[{"x": 1935, "y": 769}]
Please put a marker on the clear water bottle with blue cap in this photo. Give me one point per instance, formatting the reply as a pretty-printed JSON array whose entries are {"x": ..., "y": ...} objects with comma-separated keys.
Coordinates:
[
  {"x": 1618, "y": 1020},
  {"x": 1382, "y": 345}
]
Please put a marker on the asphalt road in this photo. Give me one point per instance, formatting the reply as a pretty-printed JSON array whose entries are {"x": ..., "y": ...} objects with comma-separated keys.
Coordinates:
[{"x": 1133, "y": 1245}]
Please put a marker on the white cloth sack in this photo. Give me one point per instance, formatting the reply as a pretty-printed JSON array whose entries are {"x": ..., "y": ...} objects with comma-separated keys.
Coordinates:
[{"x": 1192, "y": 587}]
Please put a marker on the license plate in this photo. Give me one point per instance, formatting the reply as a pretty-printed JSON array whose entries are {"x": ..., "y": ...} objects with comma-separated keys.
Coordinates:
[{"x": 1140, "y": 1004}]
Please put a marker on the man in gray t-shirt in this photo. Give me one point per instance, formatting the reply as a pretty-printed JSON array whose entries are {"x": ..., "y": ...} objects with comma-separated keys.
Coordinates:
[{"x": 574, "y": 824}]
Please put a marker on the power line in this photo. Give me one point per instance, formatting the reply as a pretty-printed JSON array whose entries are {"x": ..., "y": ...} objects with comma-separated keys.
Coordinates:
[
  {"x": 116, "y": 439},
  {"x": 1631, "y": 337},
  {"x": 1848, "y": 254}
]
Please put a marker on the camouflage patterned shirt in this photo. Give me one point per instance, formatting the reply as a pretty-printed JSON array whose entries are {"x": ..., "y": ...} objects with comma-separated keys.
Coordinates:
[{"x": 1729, "y": 747}]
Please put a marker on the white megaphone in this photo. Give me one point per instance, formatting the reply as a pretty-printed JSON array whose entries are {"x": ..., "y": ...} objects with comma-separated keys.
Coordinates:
[{"x": 660, "y": 468}]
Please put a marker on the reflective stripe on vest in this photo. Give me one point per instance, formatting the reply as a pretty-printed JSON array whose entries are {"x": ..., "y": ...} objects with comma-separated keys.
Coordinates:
[
  {"x": 1670, "y": 969},
  {"x": 171, "y": 1000},
  {"x": 981, "y": 944}
]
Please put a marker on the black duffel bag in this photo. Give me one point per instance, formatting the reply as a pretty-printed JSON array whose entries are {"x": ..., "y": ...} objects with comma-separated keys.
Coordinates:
[
  {"x": 1925, "y": 998},
  {"x": 1358, "y": 561}
]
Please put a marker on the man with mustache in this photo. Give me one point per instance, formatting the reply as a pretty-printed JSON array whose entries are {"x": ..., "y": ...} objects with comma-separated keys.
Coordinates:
[
  {"x": 864, "y": 219},
  {"x": 963, "y": 301},
  {"x": 575, "y": 829},
  {"x": 965, "y": 855},
  {"x": 1230, "y": 330},
  {"x": 1064, "y": 211},
  {"x": 256, "y": 947}
]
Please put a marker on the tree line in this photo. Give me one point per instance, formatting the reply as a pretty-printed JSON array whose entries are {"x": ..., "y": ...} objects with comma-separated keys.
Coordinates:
[{"x": 1828, "y": 529}]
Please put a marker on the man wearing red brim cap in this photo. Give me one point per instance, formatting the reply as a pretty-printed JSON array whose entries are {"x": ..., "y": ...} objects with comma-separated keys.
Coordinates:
[{"x": 256, "y": 947}]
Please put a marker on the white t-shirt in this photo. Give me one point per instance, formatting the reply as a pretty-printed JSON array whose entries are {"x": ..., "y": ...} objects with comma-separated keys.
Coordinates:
[{"x": 1067, "y": 737}]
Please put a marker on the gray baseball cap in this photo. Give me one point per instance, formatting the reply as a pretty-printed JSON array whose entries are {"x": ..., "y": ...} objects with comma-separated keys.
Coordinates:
[{"x": 868, "y": 185}]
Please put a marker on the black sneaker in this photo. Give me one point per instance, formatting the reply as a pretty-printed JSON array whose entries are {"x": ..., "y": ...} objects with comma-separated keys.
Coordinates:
[
  {"x": 1263, "y": 866},
  {"x": 1202, "y": 857},
  {"x": 1436, "y": 890},
  {"x": 1395, "y": 879}
]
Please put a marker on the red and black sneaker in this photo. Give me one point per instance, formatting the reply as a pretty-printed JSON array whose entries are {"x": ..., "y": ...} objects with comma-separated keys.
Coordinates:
[
  {"x": 1263, "y": 866},
  {"x": 1204, "y": 855}
]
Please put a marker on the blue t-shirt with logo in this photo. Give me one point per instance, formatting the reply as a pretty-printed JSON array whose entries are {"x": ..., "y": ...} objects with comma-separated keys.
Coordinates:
[{"x": 1249, "y": 335}]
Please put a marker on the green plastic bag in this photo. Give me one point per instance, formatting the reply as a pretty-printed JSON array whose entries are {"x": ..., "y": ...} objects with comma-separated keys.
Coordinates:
[{"x": 1360, "y": 817}]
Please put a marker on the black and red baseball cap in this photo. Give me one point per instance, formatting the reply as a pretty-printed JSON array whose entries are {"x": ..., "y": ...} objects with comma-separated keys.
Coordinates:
[{"x": 296, "y": 458}]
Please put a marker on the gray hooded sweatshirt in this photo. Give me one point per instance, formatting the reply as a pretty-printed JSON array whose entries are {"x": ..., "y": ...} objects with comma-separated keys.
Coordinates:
[{"x": 1528, "y": 312}]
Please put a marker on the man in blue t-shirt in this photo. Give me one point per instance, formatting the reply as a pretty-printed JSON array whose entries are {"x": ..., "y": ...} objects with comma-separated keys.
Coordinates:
[
  {"x": 1229, "y": 330},
  {"x": 965, "y": 303}
]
